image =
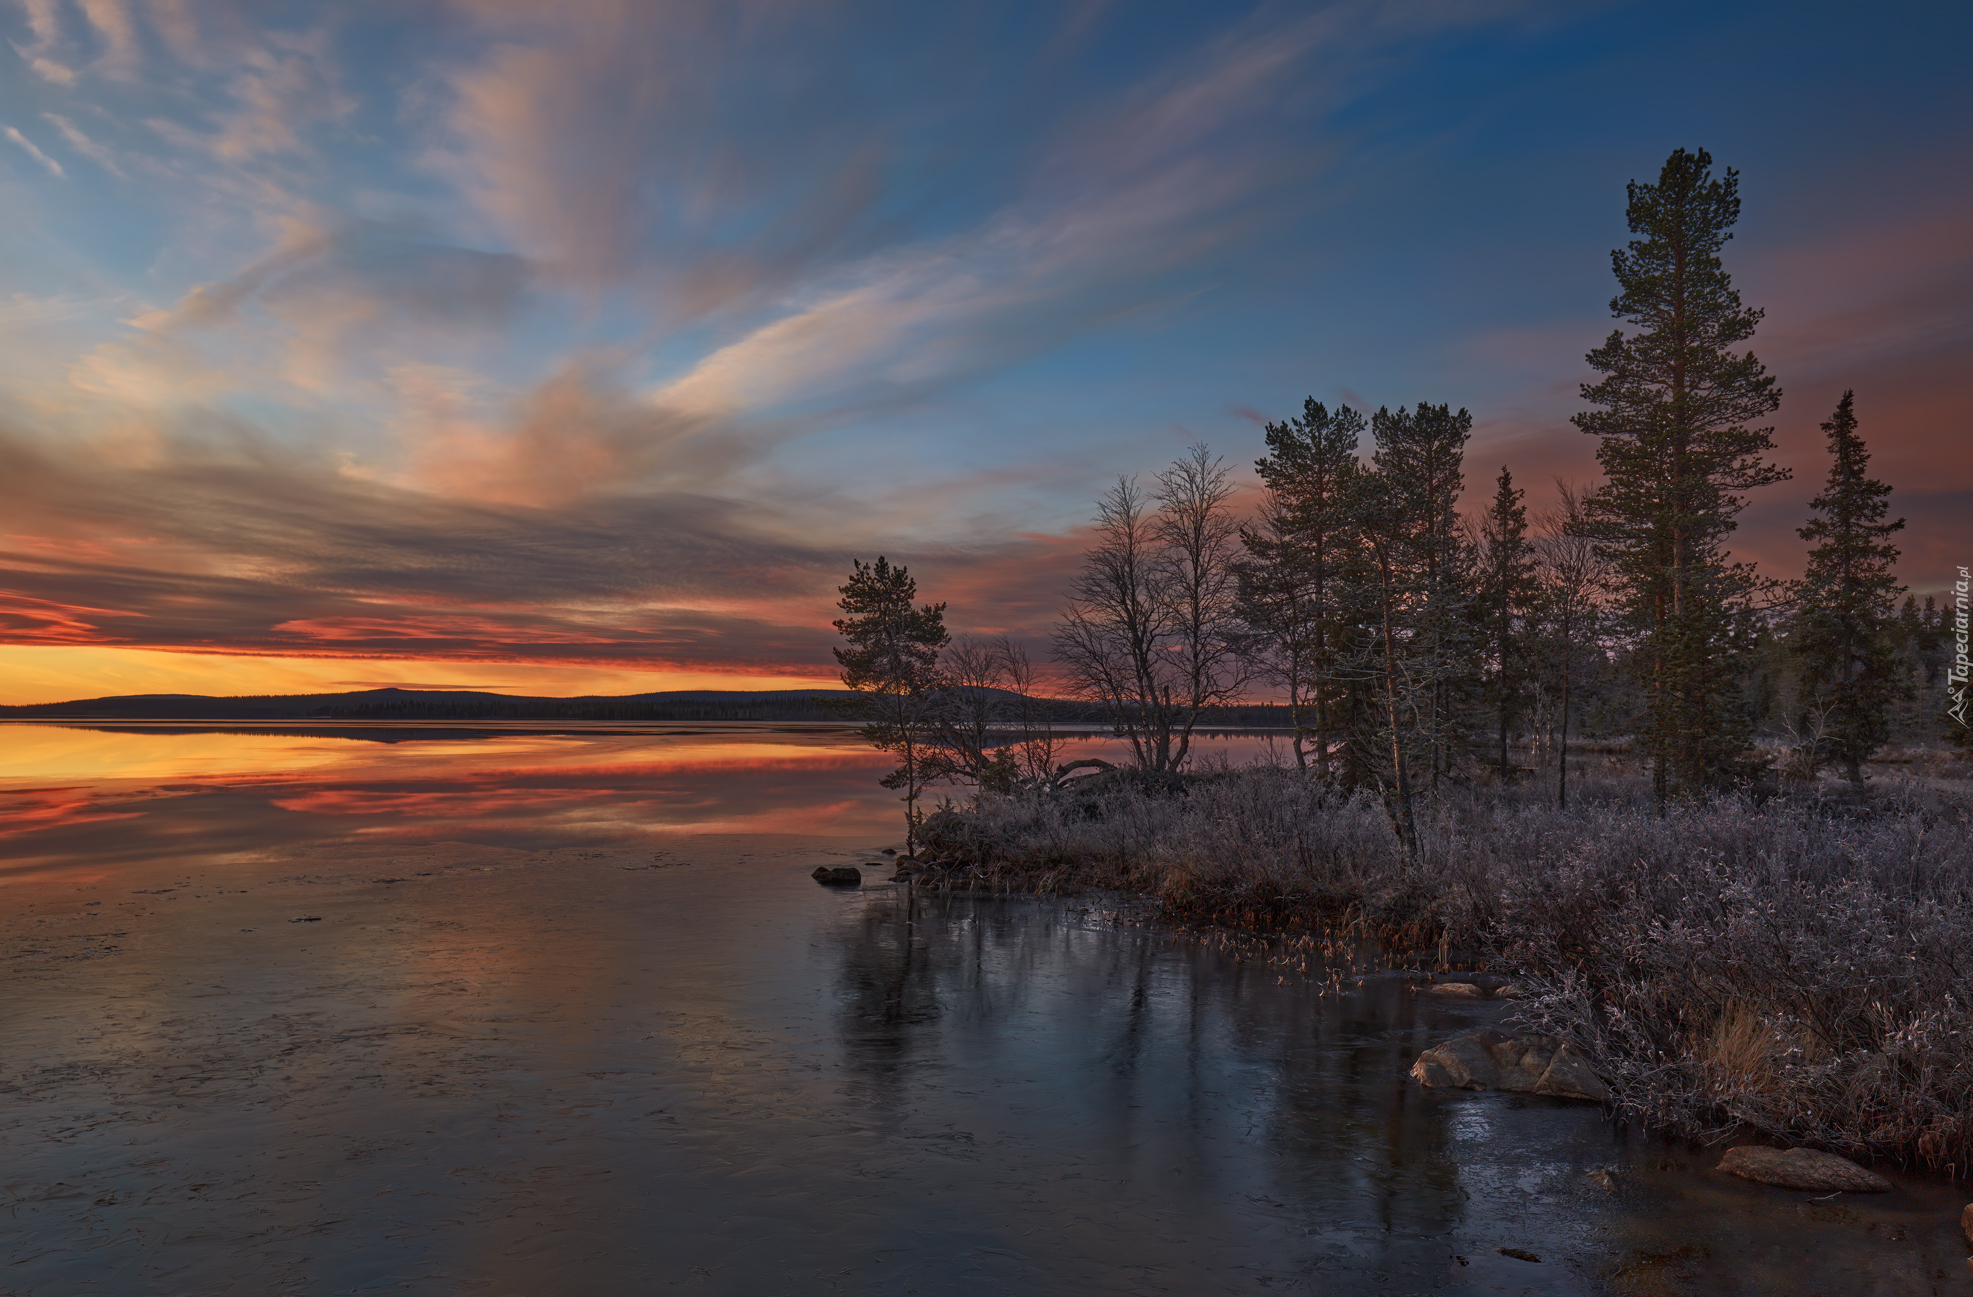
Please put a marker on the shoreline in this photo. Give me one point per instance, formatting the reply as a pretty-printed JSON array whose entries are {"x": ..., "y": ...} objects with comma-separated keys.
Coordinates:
[{"x": 1671, "y": 1077}]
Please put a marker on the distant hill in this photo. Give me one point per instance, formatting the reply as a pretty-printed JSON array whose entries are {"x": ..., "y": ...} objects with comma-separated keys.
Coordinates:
[
  {"x": 469, "y": 705},
  {"x": 446, "y": 704}
]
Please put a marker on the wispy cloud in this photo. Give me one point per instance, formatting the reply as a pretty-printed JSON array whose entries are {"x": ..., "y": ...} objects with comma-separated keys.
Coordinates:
[
  {"x": 82, "y": 144},
  {"x": 44, "y": 27},
  {"x": 623, "y": 145},
  {"x": 115, "y": 27},
  {"x": 54, "y": 167},
  {"x": 1142, "y": 188}
]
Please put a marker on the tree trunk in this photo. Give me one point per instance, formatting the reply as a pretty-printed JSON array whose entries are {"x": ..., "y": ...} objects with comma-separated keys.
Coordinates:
[
  {"x": 1562, "y": 763},
  {"x": 1401, "y": 817}
]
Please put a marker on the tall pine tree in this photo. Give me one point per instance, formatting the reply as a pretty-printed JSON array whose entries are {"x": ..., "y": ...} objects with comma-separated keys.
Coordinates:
[
  {"x": 1843, "y": 638},
  {"x": 1678, "y": 454}
]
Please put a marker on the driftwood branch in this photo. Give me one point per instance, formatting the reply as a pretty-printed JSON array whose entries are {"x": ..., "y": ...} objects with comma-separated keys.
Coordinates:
[{"x": 1088, "y": 763}]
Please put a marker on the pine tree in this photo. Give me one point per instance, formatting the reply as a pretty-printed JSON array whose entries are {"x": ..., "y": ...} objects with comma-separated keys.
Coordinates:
[
  {"x": 1280, "y": 628},
  {"x": 1678, "y": 453},
  {"x": 1508, "y": 590},
  {"x": 893, "y": 663},
  {"x": 1405, "y": 514},
  {"x": 1843, "y": 637},
  {"x": 1303, "y": 561}
]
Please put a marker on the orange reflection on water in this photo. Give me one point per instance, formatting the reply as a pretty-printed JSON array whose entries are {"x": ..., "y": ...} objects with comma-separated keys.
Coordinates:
[
  {"x": 41, "y": 753},
  {"x": 28, "y": 809},
  {"x": 223, "y": 790}
]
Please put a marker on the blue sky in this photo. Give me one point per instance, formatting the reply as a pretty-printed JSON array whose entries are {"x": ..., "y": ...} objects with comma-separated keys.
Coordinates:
[{"x": 581, "y": 347}]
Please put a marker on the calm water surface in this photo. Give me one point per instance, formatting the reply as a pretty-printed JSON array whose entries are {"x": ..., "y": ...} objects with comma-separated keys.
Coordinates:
[{"x": 569, "y": 1018}]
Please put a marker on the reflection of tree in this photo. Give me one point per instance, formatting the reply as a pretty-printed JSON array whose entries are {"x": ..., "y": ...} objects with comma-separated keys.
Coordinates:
[
  {"x": 890, "y": 990},
  {"x": 1180, "y": 1084}
]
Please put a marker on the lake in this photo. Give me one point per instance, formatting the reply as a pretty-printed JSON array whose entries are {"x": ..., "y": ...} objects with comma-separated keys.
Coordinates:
[{"x": 514, "y": 1011}]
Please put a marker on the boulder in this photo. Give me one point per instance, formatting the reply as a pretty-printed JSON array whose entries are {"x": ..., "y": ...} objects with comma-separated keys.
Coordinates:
[
  {"x": 1801, "y": 1168},
  {"x": 1492, "y": 1060},
  {"x": 837, "y": 876}
]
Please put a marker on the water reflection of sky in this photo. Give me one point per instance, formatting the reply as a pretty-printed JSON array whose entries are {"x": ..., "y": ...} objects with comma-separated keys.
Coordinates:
[
  {"x": 101, "y": 790},
  {"x": 490, "y": 1059}
]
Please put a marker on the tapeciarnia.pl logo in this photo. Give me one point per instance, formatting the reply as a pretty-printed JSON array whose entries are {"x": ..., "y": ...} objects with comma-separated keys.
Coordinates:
[{"x": 1956, "y": 678}]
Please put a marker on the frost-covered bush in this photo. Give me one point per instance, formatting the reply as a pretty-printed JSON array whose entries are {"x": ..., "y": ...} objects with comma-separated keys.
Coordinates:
[{"x": 1796, "y": 967}]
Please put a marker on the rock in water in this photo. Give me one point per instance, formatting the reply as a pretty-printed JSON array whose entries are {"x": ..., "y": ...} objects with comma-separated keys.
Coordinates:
[
  {"x": 838, "y": 876},
  {"x": 1456, "y": 991},
  {"x": 1801, "y": 1168},
  {"x": 1491, "y": 1060}
]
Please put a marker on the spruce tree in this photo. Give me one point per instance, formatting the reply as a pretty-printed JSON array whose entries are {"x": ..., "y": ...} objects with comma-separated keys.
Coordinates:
[
  {"x": 1843, "y": 638},
  {"x": 1678, "y": 453},
  {"x": 893, "y": 663}
]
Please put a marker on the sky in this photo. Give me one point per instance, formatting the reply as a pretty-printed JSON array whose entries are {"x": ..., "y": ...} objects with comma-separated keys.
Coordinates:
[{"x": 579, "y": 348}]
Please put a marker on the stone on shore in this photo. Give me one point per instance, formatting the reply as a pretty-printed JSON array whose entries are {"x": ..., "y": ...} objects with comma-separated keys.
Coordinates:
[
  {"x": 1801, "y": 1168},
  {"x": 1492, "y": 1060},
  {"x": 837, "y": 876}
]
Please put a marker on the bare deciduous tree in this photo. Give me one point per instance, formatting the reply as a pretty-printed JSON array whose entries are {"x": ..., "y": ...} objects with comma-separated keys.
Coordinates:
[
  {"x": 1151, "y": 630},
  {"x": 988, "y": 727}
]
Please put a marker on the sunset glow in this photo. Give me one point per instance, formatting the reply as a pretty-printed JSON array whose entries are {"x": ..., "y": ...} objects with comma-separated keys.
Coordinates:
[
  {"x": 579, "y": 348},
  {"x": 31, "y": 674}
]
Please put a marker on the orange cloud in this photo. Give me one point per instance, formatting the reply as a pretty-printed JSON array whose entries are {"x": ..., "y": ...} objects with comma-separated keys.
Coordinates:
[
  {"x": 369, "y": 630},
  {"x": 44, "y": 621}
]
